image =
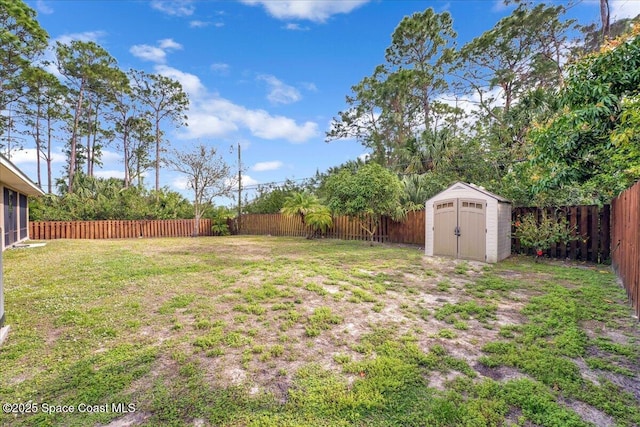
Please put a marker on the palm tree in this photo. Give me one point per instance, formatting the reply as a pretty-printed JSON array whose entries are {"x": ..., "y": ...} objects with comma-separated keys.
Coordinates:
[
  {"x": 299, "y": 203},
  {"x": 319, "y": 219},
  {"x": 307, "y": 206}
]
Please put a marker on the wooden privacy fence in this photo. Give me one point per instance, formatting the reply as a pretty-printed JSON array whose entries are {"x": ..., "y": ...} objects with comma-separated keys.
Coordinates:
[
  {"x": 591, "y": 225},
  {"x": 625, "y": 242},
  {"x": 410, "y": 231},
  {"x": 116, "y": 229}
]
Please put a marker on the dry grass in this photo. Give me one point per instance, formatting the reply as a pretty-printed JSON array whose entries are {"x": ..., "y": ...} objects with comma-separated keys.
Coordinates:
[{"x": 244, "y": 330}]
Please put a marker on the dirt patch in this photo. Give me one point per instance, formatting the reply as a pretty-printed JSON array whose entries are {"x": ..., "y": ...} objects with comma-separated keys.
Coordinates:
[
  {"x": 589, "y": 413},
  {"x": 439, "y": 381},
  {"x": 499, "y": 373},
  {"x": 129, "y": 420}
]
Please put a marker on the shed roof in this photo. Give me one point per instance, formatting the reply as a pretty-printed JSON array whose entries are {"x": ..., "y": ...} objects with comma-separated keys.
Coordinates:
[
  {"x": 473, "y": 187},
  {"x": 13, "y": 177}
]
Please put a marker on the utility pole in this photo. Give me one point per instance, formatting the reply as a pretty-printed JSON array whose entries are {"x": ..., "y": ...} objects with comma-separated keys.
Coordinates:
[{"x": 239, "y": 189}]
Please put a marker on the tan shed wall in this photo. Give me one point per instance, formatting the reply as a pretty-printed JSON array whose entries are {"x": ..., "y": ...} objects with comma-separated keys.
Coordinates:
[
  {"x": 498, "y": 226},
  {"x": 504, "y": 230},
  {"x": 492, "y": 229}
]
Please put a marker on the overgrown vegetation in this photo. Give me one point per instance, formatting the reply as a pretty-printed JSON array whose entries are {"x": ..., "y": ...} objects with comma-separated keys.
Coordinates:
[
  {"x": 541, "y": 234},
  {"x": 98, "y": 198},
  {"x": 266, "y": 331}
]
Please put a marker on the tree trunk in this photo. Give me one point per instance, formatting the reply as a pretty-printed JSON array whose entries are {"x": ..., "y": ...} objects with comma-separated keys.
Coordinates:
[
  {"x": 125, "y": 148},
  {"x": 74, "y": 139},
  {"x": 93, "y": 145},
  {"x": 196, "y": 224},
  {"x": 157, "y": 154},
  {"x": 49, "y": 154},
  {"x": 605, "y": 18},
  {"x": 38, "y": 114},
  {"x": 89, "y": 154}
]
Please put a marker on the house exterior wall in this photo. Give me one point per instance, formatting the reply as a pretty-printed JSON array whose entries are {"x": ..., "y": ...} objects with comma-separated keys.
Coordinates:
[
  {"x": 21, "y": 207},
  {"x": 498, "y": 220}
]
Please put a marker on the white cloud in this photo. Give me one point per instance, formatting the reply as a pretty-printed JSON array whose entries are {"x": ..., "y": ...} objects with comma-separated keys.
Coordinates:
[
  {"x": 199, "y": 24},
  {"x": 279, "y": 92},
  {"x": 43, "y": 7},
  {"x": 220, "y": 68},
  {"x": 169, "y": 44},
  {"x": 246, "y": 181},
  {"x": 267, "y": 166},
  {"x": 28, "y": 156},
  {"x": 219, "y": 24},
  {"x": 156, "y": 54},
  {"x": 312, "y": 10},
  {"x": 174, "y": 7},
  {"x": 624, "y": 9},
  {"x": 309, "y": 86},
  {"x": 87, "y": 36},
  {"x": 295, "y": 27},
  {"x": 499, "y": 6},
  {"x": 180, "y": 183},
  {"x": 110, "y": 156},
  {"x": 190, "y": 82},
  {"x": 216, "y": 116},
  {"x": 210, "y": 115},
  {"x": 203, "y": 124},
  {"x": 148, "y": 53},
  {"x": 364, "y": 157},
  {"x": 109, "y": 173}
]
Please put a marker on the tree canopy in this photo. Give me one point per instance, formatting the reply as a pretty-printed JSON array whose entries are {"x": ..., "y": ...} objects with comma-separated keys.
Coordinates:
[
  {"x": 593, "y": 140},
  {"x": 365, "y": 195}
]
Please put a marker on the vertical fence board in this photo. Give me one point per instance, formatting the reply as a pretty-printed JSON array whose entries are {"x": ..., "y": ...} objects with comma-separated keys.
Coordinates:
[
  {"x": 625, "y": 242},
  {"x": 115, "y": 229}
]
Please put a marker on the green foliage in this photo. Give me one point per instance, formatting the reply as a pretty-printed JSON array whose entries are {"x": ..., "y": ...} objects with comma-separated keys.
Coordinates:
[
  {"x": 319, "y": 219},
  {"x": 593, "y": 138},
  {"x": 543, "y": 348},
  {"x": 541, "y": 234},
  {"x": 220, "y": 215},
  {"x": 271, "y": 198},
  {"x": 465, "y": 311},
  {"x": 365, "y": 195},
  {"x": 312, "y": 213},
  {"x": 101, "y": 198},
  {"x": 396, "y": 112},
  {"x": 392, "y": 372},
  {"x": 22, "y": 39}
]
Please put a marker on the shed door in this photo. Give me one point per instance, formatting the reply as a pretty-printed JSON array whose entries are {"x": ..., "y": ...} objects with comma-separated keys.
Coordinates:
[
  {"x": 445, "y": 220},
  {"x": 472, "y": 224},
  {"x": 459, "y": 228}
]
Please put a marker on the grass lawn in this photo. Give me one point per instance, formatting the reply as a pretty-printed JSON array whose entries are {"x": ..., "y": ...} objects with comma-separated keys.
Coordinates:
[{"x": 266, "y": 331}]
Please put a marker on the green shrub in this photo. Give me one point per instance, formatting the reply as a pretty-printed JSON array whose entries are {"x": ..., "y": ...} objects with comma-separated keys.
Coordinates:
[{"x": 540, "y": 235}]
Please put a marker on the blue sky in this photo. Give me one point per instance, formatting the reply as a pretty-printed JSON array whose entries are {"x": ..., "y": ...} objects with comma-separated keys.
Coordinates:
[{"x": 267, "y": 74}]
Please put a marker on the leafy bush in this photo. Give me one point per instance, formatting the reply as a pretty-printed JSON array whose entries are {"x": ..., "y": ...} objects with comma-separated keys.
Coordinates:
[
  {"x": 219, "y": 217},
  {"x": 540, "y": 235},
  {"x": 314, "y": 216},
  {"x": 103, "y": 199}
]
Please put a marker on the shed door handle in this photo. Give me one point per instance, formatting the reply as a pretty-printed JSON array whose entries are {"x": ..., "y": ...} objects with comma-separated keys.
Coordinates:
[{"x": 456, "y": 231}]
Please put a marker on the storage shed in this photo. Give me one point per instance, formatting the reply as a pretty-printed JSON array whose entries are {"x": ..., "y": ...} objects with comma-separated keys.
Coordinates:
[
  {"x": 15, "y": 186},
  {"x": 466, "y": 221}
]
